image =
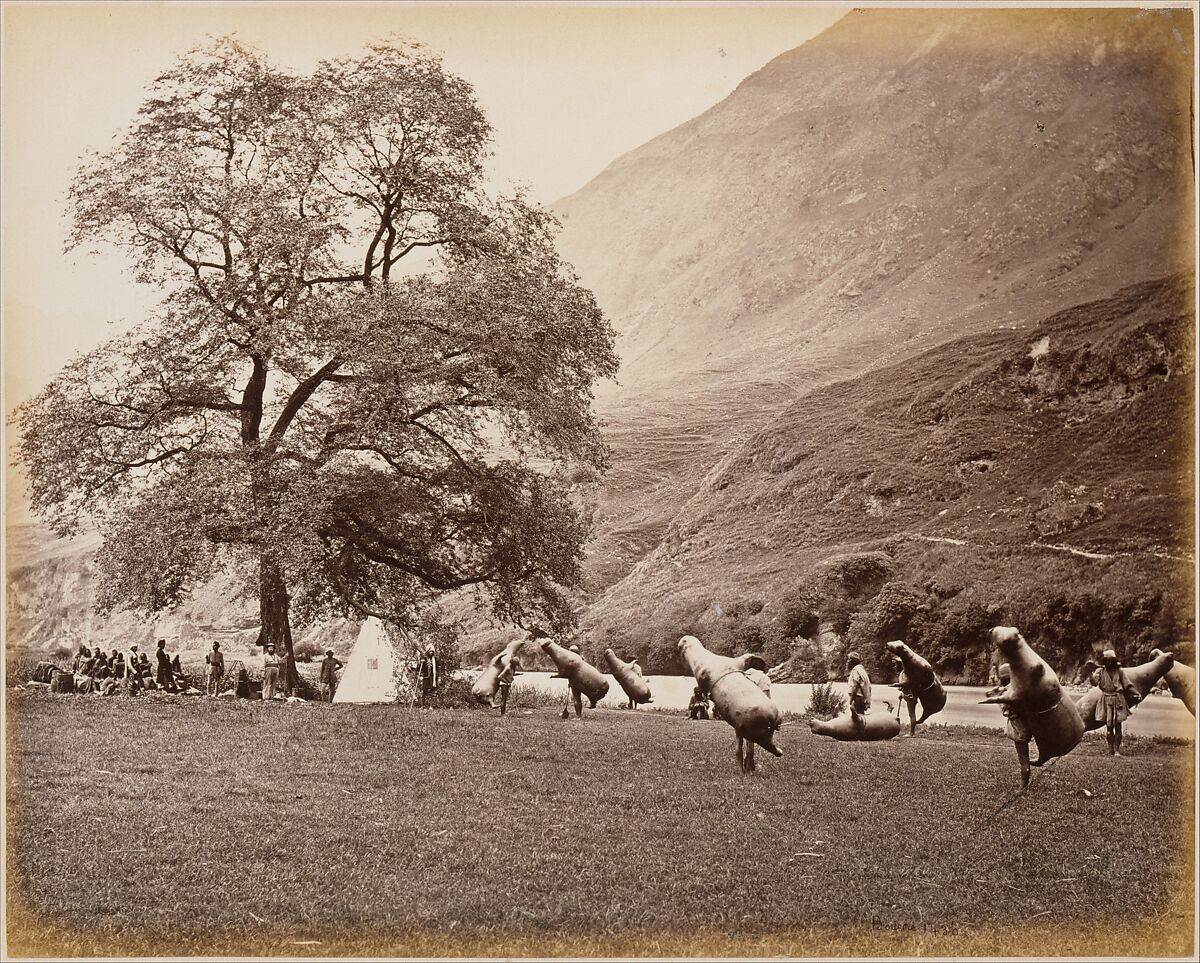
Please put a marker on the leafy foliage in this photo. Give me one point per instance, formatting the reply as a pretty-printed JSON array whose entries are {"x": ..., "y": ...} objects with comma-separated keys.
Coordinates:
[
  {"x": 353, "y": 432},
  {"x": 826, "y": 702}
]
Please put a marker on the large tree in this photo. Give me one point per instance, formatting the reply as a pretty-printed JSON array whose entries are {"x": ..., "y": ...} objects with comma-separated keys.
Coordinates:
[{"x": 368, "y": 380}]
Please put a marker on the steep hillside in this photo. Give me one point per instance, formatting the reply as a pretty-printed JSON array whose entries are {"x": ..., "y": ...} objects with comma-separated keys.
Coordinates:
[
  {"x": 907, "y": 177},
  {"x": 1007, "y": 469}
]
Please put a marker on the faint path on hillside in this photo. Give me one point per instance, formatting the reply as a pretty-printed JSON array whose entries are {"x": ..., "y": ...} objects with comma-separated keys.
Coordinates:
[{"x": 1070, "y": 549}]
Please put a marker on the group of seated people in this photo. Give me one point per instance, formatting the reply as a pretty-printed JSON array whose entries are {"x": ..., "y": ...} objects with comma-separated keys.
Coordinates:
[
  {"x": 701, "y": 706},
  {"x": 97, "y": 672}
]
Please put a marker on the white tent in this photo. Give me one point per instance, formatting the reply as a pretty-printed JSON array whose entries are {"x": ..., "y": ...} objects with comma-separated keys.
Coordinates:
[{"x": 374, "y": 672}]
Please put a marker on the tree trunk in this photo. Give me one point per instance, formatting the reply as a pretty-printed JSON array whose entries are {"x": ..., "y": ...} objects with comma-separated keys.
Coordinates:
[{"x": 273, "y": 603}]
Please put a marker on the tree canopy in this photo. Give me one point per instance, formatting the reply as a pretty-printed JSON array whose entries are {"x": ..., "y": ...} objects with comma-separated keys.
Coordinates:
[{"x": 368, "y": 378}]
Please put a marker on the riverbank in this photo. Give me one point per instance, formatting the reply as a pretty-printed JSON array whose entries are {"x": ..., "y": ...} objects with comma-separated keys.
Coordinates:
[
  {"x": 187, "y": 826},
  {"x": 1158, "y": 715}
]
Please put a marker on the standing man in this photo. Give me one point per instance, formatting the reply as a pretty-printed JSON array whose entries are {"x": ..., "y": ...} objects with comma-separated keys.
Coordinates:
[
  {"x": 1115, "y": 693},
  {"x": 132, "y": 659},
  {"x": 1015, "y": 726},
  {"x": 506, "y": 680},
  {"x": 329, "y": 667},
  {"x": 271, "y": 665},
  {"x": 859, "y": 692},
  {"x": 427, "y": 674},
  {"x": 215, "y": 670},
  {"x": 164, "y": 678}
]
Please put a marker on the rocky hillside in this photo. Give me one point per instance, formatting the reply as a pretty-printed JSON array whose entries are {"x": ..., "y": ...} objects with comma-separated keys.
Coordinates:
[
  {"x": 1042, "y": 477},
  {"x": 905, "y": 178}
]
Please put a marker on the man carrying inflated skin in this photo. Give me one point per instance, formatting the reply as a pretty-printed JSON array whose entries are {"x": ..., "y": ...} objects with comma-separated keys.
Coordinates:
[
  {"x": 1116, "y": 694},
  {"x": 573, "y": 694},
  {"x": 859, "y": 692},
  {"x": 907, "y": 696},
  {"x": 504, "y": 683},
  {"x": 1015, "y": 726}
]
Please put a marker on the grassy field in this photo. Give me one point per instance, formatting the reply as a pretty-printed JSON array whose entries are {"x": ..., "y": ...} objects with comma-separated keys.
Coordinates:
[{"x": 176, "y": 826}]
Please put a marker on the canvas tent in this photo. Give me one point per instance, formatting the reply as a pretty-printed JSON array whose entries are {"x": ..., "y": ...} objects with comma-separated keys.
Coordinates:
[{"x": 375, "y": 671}]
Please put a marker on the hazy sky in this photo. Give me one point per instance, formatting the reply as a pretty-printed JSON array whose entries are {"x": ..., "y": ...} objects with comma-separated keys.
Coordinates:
[{"x": 567, "y": 89}]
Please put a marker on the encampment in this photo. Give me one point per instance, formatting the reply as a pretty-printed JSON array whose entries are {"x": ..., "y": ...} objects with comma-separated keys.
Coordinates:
[{"x": 375, "y": 671}]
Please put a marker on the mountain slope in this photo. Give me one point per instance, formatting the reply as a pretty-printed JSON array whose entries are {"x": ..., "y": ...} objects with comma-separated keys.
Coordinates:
[
  {"x": 1015, "y": 466},
  {"x": 904, "y": 176},
  {"x": 907, "y": 177}
]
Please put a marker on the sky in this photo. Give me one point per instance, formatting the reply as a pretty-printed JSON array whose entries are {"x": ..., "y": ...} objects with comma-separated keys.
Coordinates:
[{"x": 567, "y": 90}]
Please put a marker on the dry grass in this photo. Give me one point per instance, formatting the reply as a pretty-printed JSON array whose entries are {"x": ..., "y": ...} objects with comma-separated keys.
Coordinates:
[{"x": 243, "y": 828}]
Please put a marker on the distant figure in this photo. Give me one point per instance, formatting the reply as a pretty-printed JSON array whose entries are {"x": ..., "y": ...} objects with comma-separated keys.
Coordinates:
[
  {"x": 636, "y": 670},
  {"x": 164, "y": 677},
  {"x": 1015, "y": 726},
  {"x": 329, "y": 668},
  {"x": 504, "y": 683},
  {"x": 993, "y": 676},
  {"x": 698, "y": 706},
  {"x": 859, "y": 692},
  {"x": 134, "y": 656},
  {"x": 907, "y": 696},
  {"x": 81, "y": 657},
  {"x": 287, "y": 672},
  {"x": 117, "y": 661},
  {"x": 1116, "y": 694},
  {"x": 271, "y": 665},
  {"x": 426, "y": 674},
  {"x": 180, "y": 679},
  {"x": 214, "y": 671},
  {"x": 243, "y": 683},
  {"x": 133, "y": 683},
  {"x": 573, "y": 694},
  {"x": 144, "y": 671}
]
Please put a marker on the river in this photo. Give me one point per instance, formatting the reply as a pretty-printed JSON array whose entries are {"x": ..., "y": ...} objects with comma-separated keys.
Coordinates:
[{"x": 1157, "y": 716}]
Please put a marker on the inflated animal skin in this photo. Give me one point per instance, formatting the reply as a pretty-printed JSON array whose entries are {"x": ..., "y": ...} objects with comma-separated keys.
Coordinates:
[
  {"x": 922, "y": 680},
  {"x": 1181, "y": 680},
  {"x": 572, "y": 667},
  {"x": 740, "y": 702},
  {"x": 628, "y": 678},
  {"x": 1053, "y": 720}
]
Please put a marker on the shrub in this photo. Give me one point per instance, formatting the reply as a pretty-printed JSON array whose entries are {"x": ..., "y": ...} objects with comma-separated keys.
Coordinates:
[
  {"x": 662, "y": 658},
  {"x": 307, "y": 651},
  {"x": 453, "y": 694},
  {"x": 530, "y": 695},
  {"x": 777, "y": 650},
  {"x": 799, "y": 614},
  {"x": 826, "y": 702}
]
